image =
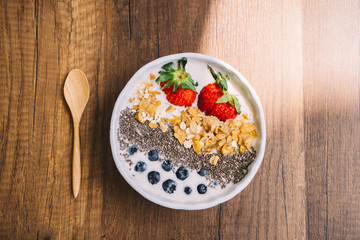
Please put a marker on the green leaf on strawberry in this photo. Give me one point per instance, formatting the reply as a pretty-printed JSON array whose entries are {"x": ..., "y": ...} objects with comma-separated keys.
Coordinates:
[
  {"x": 237, "y": 105},
  {"x": 177, "y": 78},
  {"x": 168, "y": 67},
  {"x": 226, "y": 97},
  {"x": 219, "y": 79}
]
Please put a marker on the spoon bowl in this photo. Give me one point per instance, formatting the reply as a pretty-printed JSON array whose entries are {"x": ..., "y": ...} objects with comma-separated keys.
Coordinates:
[{"x": 76, "y": 92}]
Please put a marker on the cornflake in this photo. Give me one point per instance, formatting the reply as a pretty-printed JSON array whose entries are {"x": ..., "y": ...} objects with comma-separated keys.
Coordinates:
[
  {"x": 208, "y": 133},
  {"x": 170, "y": 109},
  {"x": 214, "y": 160}
]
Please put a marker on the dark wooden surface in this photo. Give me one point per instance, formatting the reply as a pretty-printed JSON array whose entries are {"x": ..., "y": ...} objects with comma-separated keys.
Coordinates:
[{"x": 302, "y": 57}]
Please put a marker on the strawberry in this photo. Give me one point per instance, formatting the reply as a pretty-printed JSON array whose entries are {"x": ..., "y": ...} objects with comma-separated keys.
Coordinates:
[
  {"x": 182, "y": 97},
  {"x": 177, "y": 84},
  {"x": 214, "y": 99},
  {"x": 208, "y": 97},
  {"x": 223, "y": 111}
]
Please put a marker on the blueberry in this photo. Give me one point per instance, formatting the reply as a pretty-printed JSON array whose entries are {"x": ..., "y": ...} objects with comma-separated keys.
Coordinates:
[
  {"x": 153, "y": 155},
  {"x": 154, "y": 177},
  {"x": 203, "y": 172},
  {"x": 187, "y": 190},
  {"x": 133, "y": 149},
  {"x": 201, "y": 188},
  {"x": 169, "y": 186},
  {"x": 167, "y": 165},
  {"x": 140, "y": 166},
  {"x": 182, "y": 173}
]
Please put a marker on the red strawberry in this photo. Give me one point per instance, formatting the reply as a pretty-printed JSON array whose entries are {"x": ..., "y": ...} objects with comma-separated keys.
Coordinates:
[
  {"x": 181, "y": 98},
  {"x": 177, "y": 84},
  {"x": 223, "y": 111},
  {"x": 208, "y": 97},
  {"x": 214, "y": 99}
]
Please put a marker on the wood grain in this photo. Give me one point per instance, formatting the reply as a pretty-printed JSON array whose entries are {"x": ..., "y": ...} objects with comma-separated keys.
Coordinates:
[
  {"x": 274, "y": 205},
  {"x": 332, "y": 118},
  {"x": 302, "y": 58},
  {"x": 18, "y": 77}
]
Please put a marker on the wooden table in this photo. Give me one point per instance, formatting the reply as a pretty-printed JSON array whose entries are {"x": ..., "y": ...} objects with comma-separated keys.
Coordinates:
[{"x": 302, "y": 57}]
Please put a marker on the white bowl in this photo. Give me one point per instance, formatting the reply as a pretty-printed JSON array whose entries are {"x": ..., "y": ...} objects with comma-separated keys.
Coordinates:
[{"x": 246, "y": 90}]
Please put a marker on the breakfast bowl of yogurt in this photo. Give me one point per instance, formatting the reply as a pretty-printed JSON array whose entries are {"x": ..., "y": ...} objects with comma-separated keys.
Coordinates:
[{"x": 188, "y": 131}]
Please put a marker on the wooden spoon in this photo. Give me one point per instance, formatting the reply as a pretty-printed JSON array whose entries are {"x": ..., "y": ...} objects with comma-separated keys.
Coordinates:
[{"x": 76, "y": 91}]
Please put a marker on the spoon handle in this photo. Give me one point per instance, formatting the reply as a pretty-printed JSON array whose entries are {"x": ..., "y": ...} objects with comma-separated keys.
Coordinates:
[{"x": 76, "y": 166}]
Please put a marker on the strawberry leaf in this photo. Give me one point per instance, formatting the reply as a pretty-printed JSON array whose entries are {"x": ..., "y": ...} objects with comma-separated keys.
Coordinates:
[
  {"x": 164, "y": 77},
  {"x": 223, "y": 83},
  {"x": 225, "y": 98},
  {"x": 232, "y": 104},
  {"x": 188, "y": 85},
  {"x": 168, "y": 84},
  {"x": 162, "y": 72},
  {"x": 176, "y": 86},
  {"x": 168, "y": 67},
  {"x": 212, "y": 72},
  {"x": 237, "y": 104},
  {"x": 181, "y": 63}
]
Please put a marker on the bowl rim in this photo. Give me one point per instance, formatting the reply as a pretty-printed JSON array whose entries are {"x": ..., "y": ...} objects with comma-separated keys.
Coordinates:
[{"x": 193, "y": 206}]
